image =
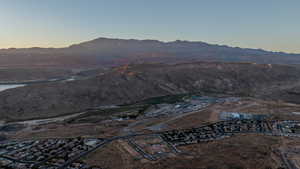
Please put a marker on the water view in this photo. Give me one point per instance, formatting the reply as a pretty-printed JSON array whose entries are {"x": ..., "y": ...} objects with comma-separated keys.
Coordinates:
[{"x": 5, "y": 87}]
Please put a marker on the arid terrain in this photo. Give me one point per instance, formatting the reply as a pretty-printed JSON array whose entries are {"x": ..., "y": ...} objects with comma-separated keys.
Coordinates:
[
  {"x": 192, "y": 115},
  {"x": 182, "y": 114},
  {"x": 149, "y": 84},
  {"x": 179, "y": 131},
  {"x": 131, "y": 83}
]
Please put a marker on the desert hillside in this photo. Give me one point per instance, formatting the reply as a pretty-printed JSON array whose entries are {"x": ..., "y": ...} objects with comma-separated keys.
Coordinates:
[{"x": 128, "y": 84}]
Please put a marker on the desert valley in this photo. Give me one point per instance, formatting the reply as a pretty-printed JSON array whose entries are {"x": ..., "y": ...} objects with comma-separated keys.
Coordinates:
[{"x": 149, "y": 105}]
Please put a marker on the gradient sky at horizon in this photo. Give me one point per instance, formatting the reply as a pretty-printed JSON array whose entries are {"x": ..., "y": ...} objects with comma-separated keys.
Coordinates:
[{"x": 267, "y": 24}]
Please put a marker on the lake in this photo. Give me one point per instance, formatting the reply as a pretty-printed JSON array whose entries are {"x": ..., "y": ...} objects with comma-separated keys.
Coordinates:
[{"x": 5, "y": 87}]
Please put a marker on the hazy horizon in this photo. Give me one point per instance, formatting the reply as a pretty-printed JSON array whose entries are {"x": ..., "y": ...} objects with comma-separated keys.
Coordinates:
[{"x": 271, "y": 26}]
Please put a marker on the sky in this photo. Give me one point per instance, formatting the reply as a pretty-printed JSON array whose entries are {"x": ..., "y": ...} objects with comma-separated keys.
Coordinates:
[{"x": 266, "y": 24}]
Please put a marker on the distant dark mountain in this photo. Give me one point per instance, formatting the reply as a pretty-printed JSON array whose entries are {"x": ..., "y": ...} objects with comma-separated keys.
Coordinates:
[{"x": 114, "y": 52}]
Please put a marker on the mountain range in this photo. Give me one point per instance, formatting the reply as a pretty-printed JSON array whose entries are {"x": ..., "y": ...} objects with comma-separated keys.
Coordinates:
[{"x": 105, "y": 52}]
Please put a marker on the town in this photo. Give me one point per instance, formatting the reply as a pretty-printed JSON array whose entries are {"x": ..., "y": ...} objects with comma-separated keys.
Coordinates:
[
  {"x": 48, "y": 153},
  {"x": 57, "y": 153}
]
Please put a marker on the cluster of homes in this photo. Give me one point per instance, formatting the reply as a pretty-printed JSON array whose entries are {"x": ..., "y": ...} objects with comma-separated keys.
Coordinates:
[
  {"x": 45, "y": 154},
  {"x": 228, "y": 128},
  {"x": 288, "y": 128},
  {"x": 165, "y": 143},
  {"x": 66, "y": 153}
]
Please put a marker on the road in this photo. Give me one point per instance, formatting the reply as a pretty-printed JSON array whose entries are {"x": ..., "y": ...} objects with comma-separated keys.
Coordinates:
[{"x": 203, "y": 132}]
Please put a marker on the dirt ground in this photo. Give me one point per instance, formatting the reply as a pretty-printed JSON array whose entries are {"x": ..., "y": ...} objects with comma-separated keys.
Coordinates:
[{"x": 239, "y": 152}]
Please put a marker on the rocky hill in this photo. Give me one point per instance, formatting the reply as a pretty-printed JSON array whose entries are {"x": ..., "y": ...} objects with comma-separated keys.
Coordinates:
[{"x": 127, "y": 84}]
